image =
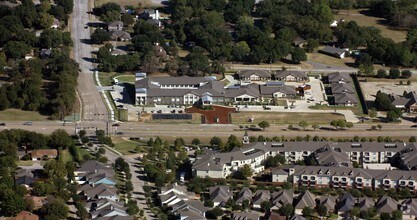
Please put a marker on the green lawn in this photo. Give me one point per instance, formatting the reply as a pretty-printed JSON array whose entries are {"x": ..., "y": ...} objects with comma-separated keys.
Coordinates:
[
  {"x": 106, "y": 78},
  {"x": 284, "y": 117},
  {"x": 20, "y": 115},
  {"x": 25, "y": 163},
  {"x": 82, "y": 151},
  {"x": 127, "y": 78},
  {"x": 126, "y": 146},
  {"x": 66, "y": 156}
]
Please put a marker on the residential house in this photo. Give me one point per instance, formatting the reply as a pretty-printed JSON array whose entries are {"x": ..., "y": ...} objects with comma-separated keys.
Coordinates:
[
  {"x": 259, "y": 197},
  {"x": 150, "y": 14},
  {"x": 220, "y": 195},
  {"x": 24, "y": 177},
  {"x": 94, "y": 172},
  {"x": 329, "y": 202},
  {"x": 408, "y": 157},
  {"x": 299, "y": 42},
  {"x": 174, "y": 194},
  {"x": 342, "y": 88},
  {"x": 409, "y": 209},
  {"x": 100, "y": 191},
  {"x": 345, "y": 99},
  {"x": 118, "y": 52},
  {"x": 119, "y": 35},
  {"x": 339, "y": 77},
  {"x": 109, "y": 211},
  {"x": 297, "y": 217},
  {"x": 43, "y": 154},
  {"x": 274, "y": 90},
  {"x": 245, "y": 216},
  {"x": 244, "y": 194},
  {"x": 45, "y": 53},
  {"x": 345, "y": 204},
  {"x": 386, "y": 204},
  {"x": 190, "y": 210},
  {"x": 306, "y": 199},
  {"x": 365, "y": 203},
  {"x": 335, "y": 52},
  {"x": 282, "y": 197},
  {"x": 407, "y": 102},
  {"x": 38, "y": 201},
  {"x": 291, "y": 76},
  {"x": 254, "y": 75},
  {"x": 24, "y": 215},
  {"x": 56, "y": 24},
  {"x": 115, "y": 26},
  {"x": 274, "y": 216}
]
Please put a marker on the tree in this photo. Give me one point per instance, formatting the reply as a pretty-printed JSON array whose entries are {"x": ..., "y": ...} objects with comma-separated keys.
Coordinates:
[
  {"x": 56, "y": 209},
  {"x": 394, "y": 73},
  {"x": 60, "y": 139},
  {"x": 406, "y": 74},
  {"x": 208, "y": 203},
  {"x": 349, "y": 125},
  {"x": 266, "y": 206},
  {"x": 99, "y": 36},
  {"x": 11, "y": 203},
  {"x": 216, "y": 142},
  {"x": 245, "y": 171},
  {"x": 381, "y": 73},
  {"x": 307, "y": 211},
  {"x": 298, "y": 55},
  {"x": 379, "y": 127},
  {"x": 383, "y": 102},
  {"x": 286, "y": 210},
  {"x": 393, "y": 115},
  {"x": 303, "y": 124},
  {"x": 127, "y": 19},
  {"x": 196, "y": 142},
  {"x": 354, "y": 212},
  {"x": 412, "y": 139},
  {"x": 214, "y": 213},
  {"x": 373, "y": 113},
  {"x": 129, "y": 186},
  {"x": 81, "y": 211},
  {"x": 321, "y": 210},
  {"x": 263, "y": 125},
  {"x": 45, "y": 20},
  {"x": 312, "y": 44},
  {"x": 397, "y": 215},
  {"x": 240, "y": 50},
  {"x": 16, "y": 49},
  {"x": 315, "y": 125}
]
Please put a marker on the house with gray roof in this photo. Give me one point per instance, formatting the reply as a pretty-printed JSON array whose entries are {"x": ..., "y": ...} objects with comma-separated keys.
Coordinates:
[
  {"x": 329, "y": 202},
  {"x": 190, "y": 210},
  {"x": 244, "y": 194},
  {"x": 408, "y": 157},
  {"x": 332, "y": 156},
  {"x": 345, "y": 204},
  {"x": 297, "y": 217},
  {"x": 24, "y": 177},
  {"x": 409, "y": 208},
  {"x": 115, "y": 26},
  {"x": 365, "y": 203},
  {"x": 100, "y": 191},
  {"x": 119, "y": 35},
  {"x": 220, "y": 194},
  {"x": 282, "y": 197},
  {"x": 407, "y": 102},
  {"x": 94, "y": 172},
  {"x": 254, "y": 75},
  {"x": 306, "y": 199},
  {"x": 386, "y": 204},
  {"x": 339, "y": 77},
  {"x": 291, "y": 76},
  {"x": 335, "y": 52},
  {"x": 345, "y": 99},
  {"x": 342, "y": 88},
  {"x": 245, "y": 215},
  {"x": 174, "y": 194},
  {"x": 259, "y": 197}
]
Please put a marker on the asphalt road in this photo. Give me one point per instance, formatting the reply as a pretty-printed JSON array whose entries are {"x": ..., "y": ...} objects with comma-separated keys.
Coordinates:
[
  {"x": 93, "y": 107},
  {"x": 135, "y": 129}
]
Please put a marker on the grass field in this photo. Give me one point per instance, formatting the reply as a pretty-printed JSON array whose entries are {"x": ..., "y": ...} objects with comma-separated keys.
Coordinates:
[
  {"x": 126, "y": 146},
  {"x": 362, "y": 19},
  {"x": 328, "y": 60},
  {"x": 25, "y": 163},
  {"x": 127, "y": 78},
  {"x": 284, "y": 117},
  {"x": 19, "y": 115},
  {"x": 65, "y": 155},
  {"x": 106, "y": 78}
]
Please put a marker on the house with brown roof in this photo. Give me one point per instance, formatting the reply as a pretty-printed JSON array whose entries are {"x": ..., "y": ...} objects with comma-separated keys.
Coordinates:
[
  {"x": 24, "y": 215},
  {"x": 43, "y": 154}
]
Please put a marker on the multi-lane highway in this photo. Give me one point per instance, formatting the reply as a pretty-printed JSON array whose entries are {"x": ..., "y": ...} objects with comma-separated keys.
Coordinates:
[{"x": 93, "y": 107}]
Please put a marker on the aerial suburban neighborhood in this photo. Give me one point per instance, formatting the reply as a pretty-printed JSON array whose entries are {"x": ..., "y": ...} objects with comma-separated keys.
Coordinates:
[{"x": 208, "y": 109}]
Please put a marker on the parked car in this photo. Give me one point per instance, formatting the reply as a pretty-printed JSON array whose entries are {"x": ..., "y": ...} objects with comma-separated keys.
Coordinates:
[
  {"x": 119, "y": 106},
  {"x": 159, "y": 111},
  {"x": 2, "y": 124},
  {"x": 27, "y": 123}
]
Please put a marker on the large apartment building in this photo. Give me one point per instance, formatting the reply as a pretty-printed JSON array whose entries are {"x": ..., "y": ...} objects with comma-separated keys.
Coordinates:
[
  {"x": 340, "y": 154},
  {"x": 345, "y": 177},
  {"x": 204, "y": 90}
]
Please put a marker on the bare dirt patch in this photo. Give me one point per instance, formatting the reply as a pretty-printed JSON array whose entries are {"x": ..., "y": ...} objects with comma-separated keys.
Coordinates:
[{"x": 283, "y": 117}]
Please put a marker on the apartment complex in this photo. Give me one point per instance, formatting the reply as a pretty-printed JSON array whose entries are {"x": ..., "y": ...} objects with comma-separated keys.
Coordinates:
[
  {"x": 345, "y": 177},
  {"x": 340, "y": 154},
  {"x": 204, "y": 90}
]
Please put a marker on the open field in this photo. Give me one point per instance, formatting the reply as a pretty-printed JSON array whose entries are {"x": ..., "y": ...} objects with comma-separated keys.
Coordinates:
[
  {"x": 390, "y": 87},
  {"x": 106, "y": 78},
  {"x": 25, "y": 163},
  {"x": 20, "y": 115},
  {"x": 328, "y": 60},
  {"x": 357, "y": 110},
  {"x": 65, "y": 156},
  {"x": 126, "y": 146},
  {"x": 284, "y": 117},
  {"x": 195, "y": 120},
  {"x": 127, "y": 79},
  {"x": 362, "y": 19}
]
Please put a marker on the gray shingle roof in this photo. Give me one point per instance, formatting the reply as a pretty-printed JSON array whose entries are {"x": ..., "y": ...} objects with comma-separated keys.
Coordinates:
[
  {"x": 342, "y": 88},
  {"x": 260, "y": 73},
  {"x": 333, "y": 50},
  {"x": 245, "y": 215},
  {"x": 261, "y": 196},
  {"x": 386, "y": 205},
  {"x": 346, "y": 203},
  {"x": 285, "y": 73},
  {"x": 365, "y": 203},
  {"x": 329, "y": 156},
  {"x": 307, "y": 199},
  {"x": 220, "y": 194},
  {"x": 282, "y": 197},
  {"x": 345, "y": 98},
  {"x": 244, "y": 194},
  {"x": 339, "y": 77}
]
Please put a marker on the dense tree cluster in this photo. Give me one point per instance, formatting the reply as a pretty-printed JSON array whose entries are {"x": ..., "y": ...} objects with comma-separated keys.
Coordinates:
[{"x": 45, "y": 85}]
